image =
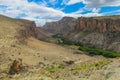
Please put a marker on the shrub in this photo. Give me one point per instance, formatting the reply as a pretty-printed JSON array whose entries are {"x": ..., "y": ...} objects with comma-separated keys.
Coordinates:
[
  {"x": 88, "y": 66},
  {"x": 56, "y": 35},
  {"x": 54, "y": 68},
  {"x": 109, "y": 54}
]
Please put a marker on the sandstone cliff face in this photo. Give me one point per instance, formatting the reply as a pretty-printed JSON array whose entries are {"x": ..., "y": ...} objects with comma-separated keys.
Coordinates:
[
  {"x": 102, "y": 33},
  {"x": 96, "y": 24},
  {"x": 65, "y": 25}
]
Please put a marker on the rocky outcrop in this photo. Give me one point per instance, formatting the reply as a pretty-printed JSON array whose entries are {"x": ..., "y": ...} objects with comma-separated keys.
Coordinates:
[
  {"x": 102, "y": 33},
  {"x": 66, "y": 24},
  {"x": 29, "y": 29},
  {"x": 16, "y": 67},
  {"x": 99, "y": 25}
]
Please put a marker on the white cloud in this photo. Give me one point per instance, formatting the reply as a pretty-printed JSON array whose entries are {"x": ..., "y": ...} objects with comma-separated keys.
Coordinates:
[
  {"x": 92, "y": 14},
  {"x": 31, "y": 10},
  {"x": 64, "y": 2},
  {"x": 96, "y": 3},
  {"x": 111, "y": 12},
  {"x": 95, "y": 10},
  {"x": 53, "y": 2},
  {"x": 70, "y": 2},
  {"x": 41, "y": 13},
  {"x": 100, "y": 3}
]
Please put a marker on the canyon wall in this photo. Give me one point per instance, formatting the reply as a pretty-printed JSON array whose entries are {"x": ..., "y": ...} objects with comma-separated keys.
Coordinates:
[
  {"x": 99, "y": 25},
  {"x": 101, "y": 33}
]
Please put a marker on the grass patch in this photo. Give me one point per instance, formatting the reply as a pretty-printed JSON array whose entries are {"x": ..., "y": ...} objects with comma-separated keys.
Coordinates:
[
  {"x": 93, "y": 51},
  {"x": 62, "y": 41},
  {"x": 109, "y": 54},
  {"x": 56, "y": 35},
  {"x": 74, "y": 47},
  {"x": 97, "y": 64},
  {"x": 54, "y": 68},
  {"x": 65, "y": 42}
]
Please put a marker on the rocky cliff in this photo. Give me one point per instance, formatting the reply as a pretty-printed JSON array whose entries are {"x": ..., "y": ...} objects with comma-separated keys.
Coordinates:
[
  {"x": 29, "y": 29},
  {"x": 99, "y": 25},
  {"x": 66, "y": 24},
  {"x": 97, "y": 32}
]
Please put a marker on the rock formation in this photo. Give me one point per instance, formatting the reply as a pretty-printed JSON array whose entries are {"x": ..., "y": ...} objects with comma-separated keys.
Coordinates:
[
  {"x": 66, "y": 24},
  {"x": 99, "y": 25},
  {"x": 16, "y": 66}
]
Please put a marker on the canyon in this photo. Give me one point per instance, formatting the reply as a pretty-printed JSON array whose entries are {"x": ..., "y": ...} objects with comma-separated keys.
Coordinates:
[
  {"x": 97, "y": 32},
  {"x": 22, "y": 39}
]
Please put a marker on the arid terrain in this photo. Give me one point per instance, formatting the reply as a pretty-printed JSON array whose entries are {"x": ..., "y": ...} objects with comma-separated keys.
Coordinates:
[{"x": 48, "y": 61}]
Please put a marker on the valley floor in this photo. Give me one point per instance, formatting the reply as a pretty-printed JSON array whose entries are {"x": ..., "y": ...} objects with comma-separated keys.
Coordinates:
[{"x": 47, "y": 61}]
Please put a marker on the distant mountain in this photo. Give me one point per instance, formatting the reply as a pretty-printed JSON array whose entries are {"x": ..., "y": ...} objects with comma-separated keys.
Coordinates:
[{"x": 66, "y": 24}]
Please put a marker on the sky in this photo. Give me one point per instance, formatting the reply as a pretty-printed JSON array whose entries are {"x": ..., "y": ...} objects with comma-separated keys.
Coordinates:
[{"x": 42, "y": 11}]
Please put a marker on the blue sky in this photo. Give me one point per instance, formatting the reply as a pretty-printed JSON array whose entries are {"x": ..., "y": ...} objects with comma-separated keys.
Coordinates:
[{"x": 42, "y": 11}]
